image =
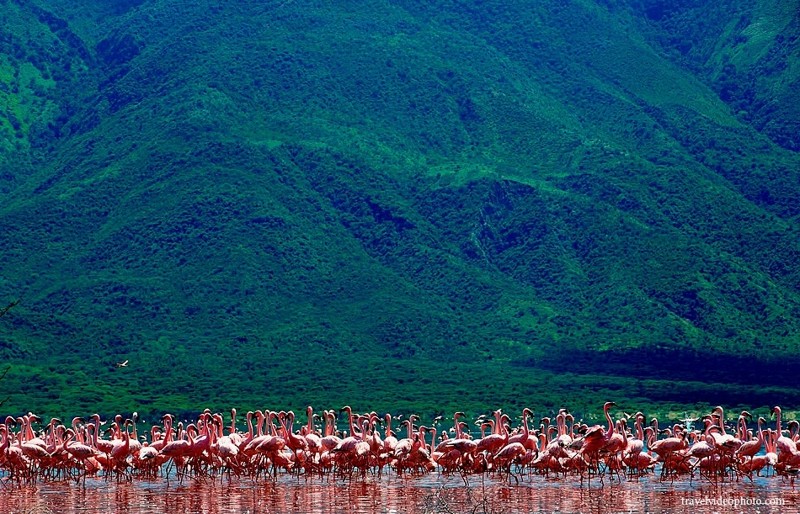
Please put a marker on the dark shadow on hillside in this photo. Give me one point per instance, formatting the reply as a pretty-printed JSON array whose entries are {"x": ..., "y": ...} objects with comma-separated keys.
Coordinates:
[{"x": 725, "y": 378}]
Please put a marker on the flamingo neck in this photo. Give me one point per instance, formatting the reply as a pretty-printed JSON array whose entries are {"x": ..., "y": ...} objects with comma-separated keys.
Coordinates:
[
  {"x": 388, "y": 425},
  {"x": 67, "y": 439},
  {"x": 608, "y": 418},
  {"x": 289, "y": 424},
  {"x": 310, "y": 425},
  {"x": 96, "y": 430},
  {"x": 722, "y": 420},
  {"x": 328, "y": 426},
  {"x": 457, "y": 426},
  {"x": 351, "y": 421},
  {"x": 260, "y": 422}
]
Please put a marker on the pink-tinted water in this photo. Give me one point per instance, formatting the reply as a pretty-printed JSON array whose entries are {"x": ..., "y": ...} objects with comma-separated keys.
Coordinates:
[{"x": 435, "y": 493}]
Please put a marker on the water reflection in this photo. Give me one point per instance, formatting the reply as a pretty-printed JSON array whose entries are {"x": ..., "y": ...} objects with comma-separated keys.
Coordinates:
[{"x": 390, "y": 495}]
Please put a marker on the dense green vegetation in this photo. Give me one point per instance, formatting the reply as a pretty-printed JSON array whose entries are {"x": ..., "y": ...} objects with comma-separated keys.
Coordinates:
[{"x": 399, "y": 205}]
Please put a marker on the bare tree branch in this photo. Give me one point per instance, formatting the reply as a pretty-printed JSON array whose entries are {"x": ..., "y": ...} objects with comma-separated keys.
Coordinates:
[
  {"x": 8, "y": 307},
  {"x": 5, "y": 371}
]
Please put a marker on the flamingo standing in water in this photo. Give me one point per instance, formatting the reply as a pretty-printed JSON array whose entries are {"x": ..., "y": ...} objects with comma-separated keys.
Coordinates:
[
  {"x": 313, "y": 439},
  {"x": 751, "y": 446},
  {"x": 507, "y": 456},
  {"x": 727, "y": 443},
  {"x": 787, "y": 448},
  {"x": 11, "y": 455},
  {"x": 404, "y": 447},
  {"x": 78, "y": 451},
  {"x": 705, "y": 451},
  {"x": 329, "y": 439},
  {"x": 103, "y": 446},
  {"x": 494, "y": 442},
  {"x": 596, "y": 439},
  {"x": 120, "y": 452},
  {"x": 639, "y": 460},
  {"x": 528, "y": 440},
  {"x": 635, "y": 444},
  {"x": 668, "y": 449},
  {"x": 253, "y": 440},
  {"x": 147, "y": 458},
  {"x": 458, "y": 452},
  {"x": 296, "y": 443},
  {"x": 755, "y": 463},
  {"x": 34, "y": 449},
  {"x": 389, "y": 438},
  {"x": 175, "y": 450}
]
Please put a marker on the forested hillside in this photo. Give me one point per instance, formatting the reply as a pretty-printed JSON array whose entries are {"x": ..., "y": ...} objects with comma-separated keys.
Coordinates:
[{"x": 399, "y": 205}]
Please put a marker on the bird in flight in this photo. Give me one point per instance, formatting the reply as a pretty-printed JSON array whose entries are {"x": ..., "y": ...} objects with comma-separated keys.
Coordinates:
[{"x": 123, "y": 364}]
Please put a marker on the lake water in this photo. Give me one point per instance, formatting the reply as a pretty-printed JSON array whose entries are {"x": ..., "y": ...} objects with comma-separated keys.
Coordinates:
[{"x": 392, "y": 494}]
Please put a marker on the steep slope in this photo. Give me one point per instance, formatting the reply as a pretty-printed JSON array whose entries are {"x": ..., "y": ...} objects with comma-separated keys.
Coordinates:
[
  {"x": 747, "y": 52},
  {"x": 400, "y": 206}
]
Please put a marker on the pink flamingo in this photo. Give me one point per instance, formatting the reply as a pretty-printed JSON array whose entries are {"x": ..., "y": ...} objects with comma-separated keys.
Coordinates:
[
  {"x": 33, "y": 448},
  {"x": 104, "y": 446},
  {"x": 495, "y": 441},
  {"x": 728, "y": 443},
  {"x": 755, "y": 463},
  {"x": 706, "y": 448},
  {"x": 176, "y": 450},
  {"x": 295, "y": 442},
  {"x": 528, "y": 440},
  {"x": 752, "y": 446},
  {"x": 787, "y": 448},
  {"x": 253, "y": 441},
  {"x": 330, "y": 440},
  {"x": 224, "y": 447},
  {"x": 596, "y": 439},
  {"x": 313, "y": 439},
  {"x": 635, "y": 444},
  {"x": 671, "y": 444},
  {"x": 389, "y": 439}
]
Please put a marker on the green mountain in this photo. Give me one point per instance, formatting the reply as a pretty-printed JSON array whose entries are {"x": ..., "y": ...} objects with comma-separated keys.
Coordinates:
[{"x": 399, "y": 205}]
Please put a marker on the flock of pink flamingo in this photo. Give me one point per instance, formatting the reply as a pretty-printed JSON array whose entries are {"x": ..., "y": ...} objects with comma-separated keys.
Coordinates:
[{"x": 560, "y": 447}]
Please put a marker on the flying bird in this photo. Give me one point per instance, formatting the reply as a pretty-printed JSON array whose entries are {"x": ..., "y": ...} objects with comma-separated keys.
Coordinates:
[{"x": 123, "y": 364}]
